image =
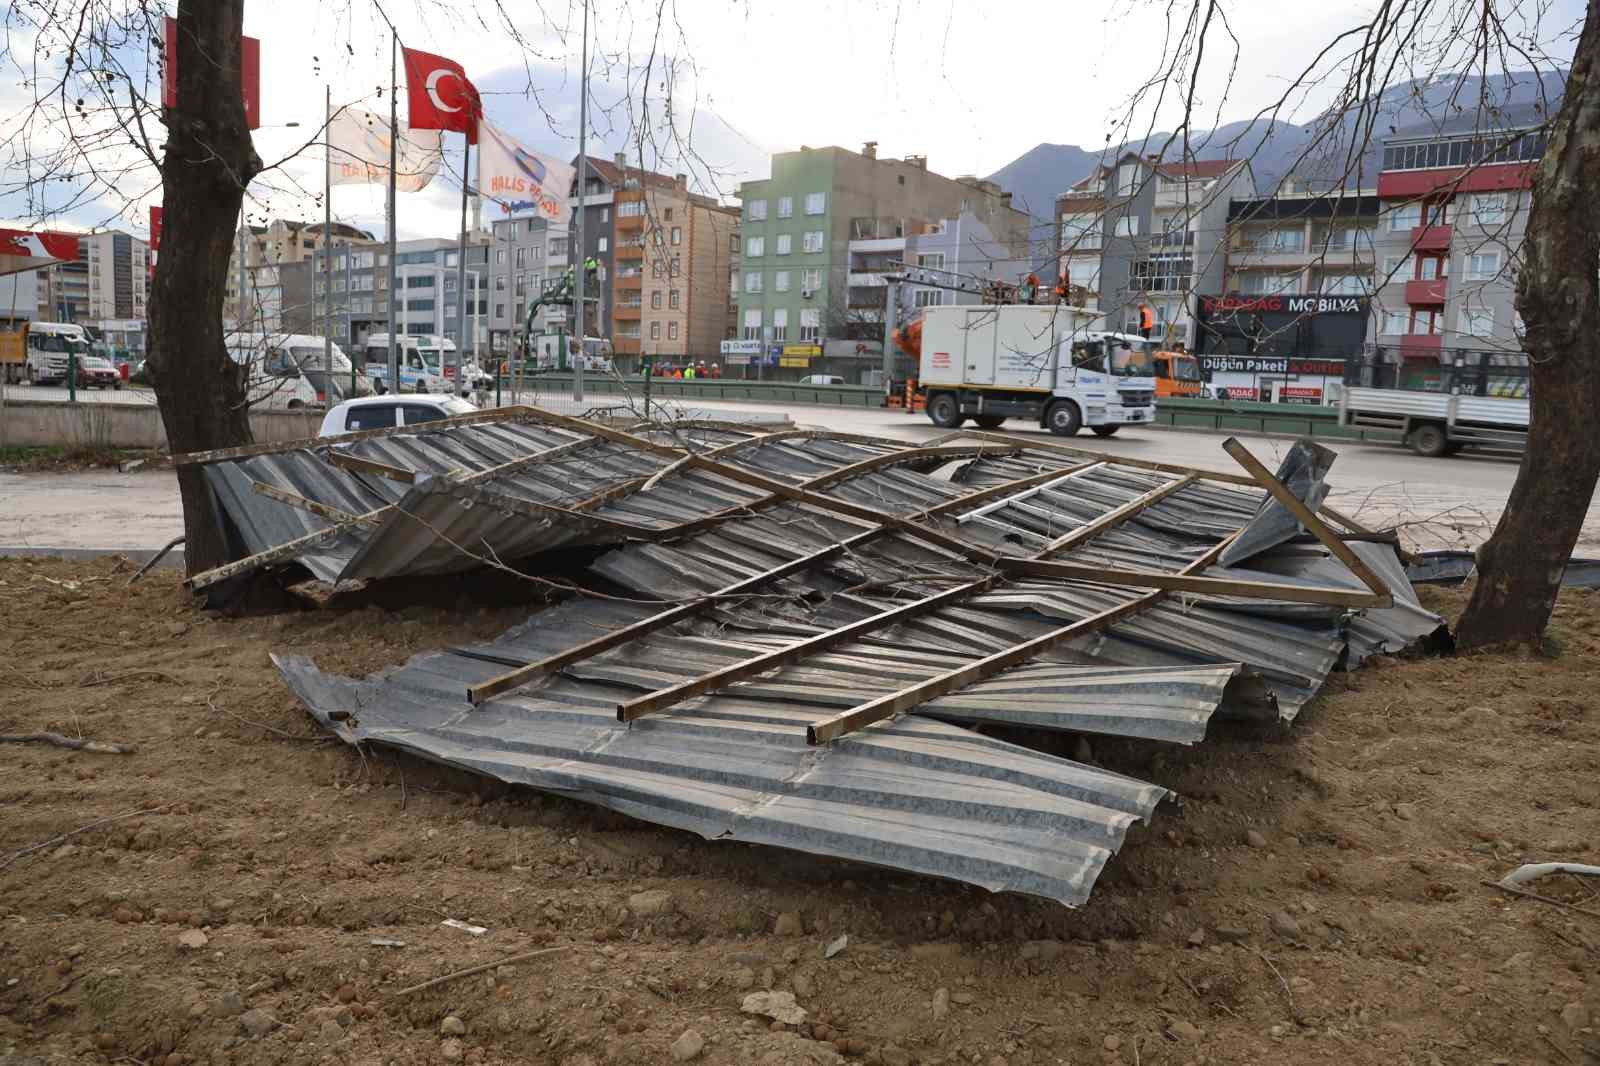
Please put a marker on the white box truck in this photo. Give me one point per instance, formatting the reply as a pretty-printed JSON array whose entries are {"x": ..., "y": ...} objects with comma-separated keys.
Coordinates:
[{"x": 1046, "y": 364}]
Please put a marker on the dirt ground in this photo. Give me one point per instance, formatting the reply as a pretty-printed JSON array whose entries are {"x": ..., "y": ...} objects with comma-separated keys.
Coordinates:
[{"x": 1315, "y": 896}]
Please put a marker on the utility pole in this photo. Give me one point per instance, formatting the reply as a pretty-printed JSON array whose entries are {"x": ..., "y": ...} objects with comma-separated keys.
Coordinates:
[
  {"x": 394, "y": 162},
  {"x": 891, "y": 312},
  {"x": 579, "y": 251},
  {"x": 327, "y": 242}
]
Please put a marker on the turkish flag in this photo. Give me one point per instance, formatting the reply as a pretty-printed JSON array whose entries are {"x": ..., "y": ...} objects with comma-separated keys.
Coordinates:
[
  {"x": 439, "y": 95},
  {"x": 249, "y": 73}
]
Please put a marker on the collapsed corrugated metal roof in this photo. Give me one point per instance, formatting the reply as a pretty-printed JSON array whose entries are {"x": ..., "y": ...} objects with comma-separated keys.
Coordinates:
[{"x": 793, "y": 595}]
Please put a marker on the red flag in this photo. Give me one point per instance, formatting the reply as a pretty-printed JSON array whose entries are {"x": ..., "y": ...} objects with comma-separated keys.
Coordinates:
[
  {"x": 155, "y": 228},
  {"x": 249, "y": 73},
  {"x": 439, "y": 95}
]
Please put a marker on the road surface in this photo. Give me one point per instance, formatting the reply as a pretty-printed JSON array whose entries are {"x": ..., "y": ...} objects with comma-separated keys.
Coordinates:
[{"x": 1437, "y": 503}]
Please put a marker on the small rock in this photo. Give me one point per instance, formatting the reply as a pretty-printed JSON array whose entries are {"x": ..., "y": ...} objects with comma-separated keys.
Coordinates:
[
  {"x": 125, "y": 914},
  {"x": 330, "y": 1033},
  {"x": 963, "y": 998},
  {"x": 890, "y": 1055},
  {"x": 450, "y": 1050},
  {"x": 1043, "y": 950},
  {"x": 1284, "y": 925},
  {"x": 803, "y": 985},
  {"x": 257, "y": 1022},
  {"x": 941, "y": 1002},
  {"x": 453, "y": 1026},
  {"x": 836, "y": 946},
  {"x": 688, "y": 1045},
  {"x": 656, "y": 901},
  {"x": 777, "y": 1005},
  {"x": 742, "y": 977},
  {"x": 1185, "y": 1031},
  {"x": 346, "y": 993},
  {"x": 1575, "y": 1016},
  {"x": 193, "y": 939},
  {"x": 1255, "y": 839},
  {"x": 1112, "y": 1042},
  {"x": 1406, "y": 812},
  {"x": 788, "y": 924},
  {"x": 1197, "y": 938},
  {"x": 74, "y": 950},
  {"x": 228, "y": 1005},
  {"x": 1231, "y": 934}
]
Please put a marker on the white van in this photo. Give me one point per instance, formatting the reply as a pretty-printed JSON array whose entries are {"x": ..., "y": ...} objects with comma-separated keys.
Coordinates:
[
  {"x": 288, "y": 370},
  {"x": 415, "y": 375}
]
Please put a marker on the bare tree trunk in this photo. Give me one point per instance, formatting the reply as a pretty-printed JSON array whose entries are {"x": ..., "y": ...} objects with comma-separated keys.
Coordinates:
[
  {"x": 1520, "y": 568},
  {"x": 209, "y": 160}
]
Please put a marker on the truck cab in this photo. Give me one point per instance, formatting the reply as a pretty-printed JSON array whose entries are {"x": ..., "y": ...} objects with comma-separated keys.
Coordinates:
[
  {"x": 51, "y": 346},
  {"x": 1177, "y": 374},
  {"x": 1043, "y": 363}
]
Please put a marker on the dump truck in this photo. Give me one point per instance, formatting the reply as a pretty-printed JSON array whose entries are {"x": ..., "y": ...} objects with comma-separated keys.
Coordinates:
[
  {"x": 14, "y": 353},
  {"x": 1047, "y": 364}
]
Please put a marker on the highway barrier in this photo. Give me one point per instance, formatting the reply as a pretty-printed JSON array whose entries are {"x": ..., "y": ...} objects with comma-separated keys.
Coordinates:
[{"x": 30, "y": 423}]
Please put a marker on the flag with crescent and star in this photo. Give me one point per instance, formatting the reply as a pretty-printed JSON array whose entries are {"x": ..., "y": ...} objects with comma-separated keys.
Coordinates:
[{"x": 439, "y": 95}]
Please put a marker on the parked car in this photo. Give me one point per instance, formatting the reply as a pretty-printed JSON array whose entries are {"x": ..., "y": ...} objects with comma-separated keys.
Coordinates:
[
  {"x": 822, "y": 379},
  {"x": 386, "y": 412}
]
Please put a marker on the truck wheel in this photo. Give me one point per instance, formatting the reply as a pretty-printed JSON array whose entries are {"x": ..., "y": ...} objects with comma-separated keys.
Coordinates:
[
  {"x": 989, "y": 421},
  {"x": 1063, "y": 419},
  {"x": 1104, "y": 431},
  {"x": 945, "y": 412},
  {"x": 1429, "y": 440}
]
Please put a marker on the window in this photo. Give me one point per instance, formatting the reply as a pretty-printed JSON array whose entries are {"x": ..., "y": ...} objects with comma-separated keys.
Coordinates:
[
  {"x": 811, "y": 241},
  {"x": 602, "y": 245},
  {"x": 1476, "y": 320},
  {"x": 500, "y": 255},
  {"x": 558, "y": 246},
  {"x": 672, "y": 300},
  {"x": 1258, "y": 284},
  {"x": 371, "y": 416},
  {"x": 780, "y": 281},
  {"x": 667, "y": 214},
  {"x": 1489, "y": 208},
  {"x": 1128, "y": 226},
  {"x": 449, "y": 310},
  {"x": 1345, "y": 284},
  {"x": 630, "y": 209},
  {"x": 452, "y": 259},
  {"x": 785, "y": 243},
  {"x": 810, "y": 324},
  {"x": 1085, "y": 273},
  {"x": 927, "y": 298},
  {"x": 1429, "y": 268},
  {"x": 756, "y": 211},
  {"x": 655, "y": 300},
  {"x": 499, "y": 283},
  {"x": 752, "y": 281},
  {"x": 1393, "y": 269},
  {"x": 1483, "y": 266},
  {"x": 677, "y": 234},
  {"x": 816, "y": 203},
  {"x": 1396, "y": 323},
  {"x": 785, "y": 206},
  {"x": 522, "y": 258},
  {"x": 933, "y": 260},
  {"x": 752, "y": 324},
  {"x": 1080, "y": 232},
  {"x": 780, "y": 323},
  {"x": 1127, "y": 176},
  {"x": 754, "y": 248},
  {"x": 810, "y": 281},
  {"x": 499, "y": 310},
  {"x": 511, "y": 229},
  {"x": 655, "y": 331},
  {"x": 676, "y": 267},
  {"x": 417, "y": 412},
  {"x": 672, "y": 331},
  {"x": 1405, "y": 217}
]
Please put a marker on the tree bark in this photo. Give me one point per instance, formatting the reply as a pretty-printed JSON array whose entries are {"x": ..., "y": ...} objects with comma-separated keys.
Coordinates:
[
  {"x": 208, "y": 162},
  {"x": 1521, "y": 566}
]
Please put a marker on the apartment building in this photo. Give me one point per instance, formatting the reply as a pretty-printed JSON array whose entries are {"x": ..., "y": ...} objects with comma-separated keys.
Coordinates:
[
  {"x": 429, "y": 298},
  {"x": 525, "y": 255},
  {"x": 1294, "y": 299},
  {"x": 1146, "y": 232},
  {"x": 63, "y": 290},
  {"x": 673, "y": 254},
  {"x": 947, "y": 261},
  {"x": 797, "y": 225},
  {"x": 1453, "y": 216},
  {"x": 266, "y": 251}
]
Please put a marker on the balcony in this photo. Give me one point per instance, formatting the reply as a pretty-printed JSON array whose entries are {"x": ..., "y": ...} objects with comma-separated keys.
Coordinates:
[
  {"x": 1421, "y": 345},
  {"x": 1431, "y": 238},
  {"x": 627, "y": 312},
  {"x": 627, "y": 281},
  {"x": 859, "y": 280},
  {"x": 629, "y": 223},
  {"x": 1427, "y": 293}
]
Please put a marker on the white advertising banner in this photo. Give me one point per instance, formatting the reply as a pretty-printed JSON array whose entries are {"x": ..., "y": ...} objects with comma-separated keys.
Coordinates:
[
  {"x": 358, "y": 150},
  {"x": 522, "y": 180}
]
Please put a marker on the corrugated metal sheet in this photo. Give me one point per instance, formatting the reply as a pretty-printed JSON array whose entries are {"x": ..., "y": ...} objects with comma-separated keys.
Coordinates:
[
  {"x": 915, "y": 794},
  {"x": 1303, "y": 472}
]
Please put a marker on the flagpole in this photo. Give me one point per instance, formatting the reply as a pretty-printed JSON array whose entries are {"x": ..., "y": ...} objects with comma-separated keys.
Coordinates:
[
  {"x": 461, "y": 257},
  {"x": 576, "y": 246},
  {"x": 394, "y": 162},
  {"x": 327, "y": 243}
]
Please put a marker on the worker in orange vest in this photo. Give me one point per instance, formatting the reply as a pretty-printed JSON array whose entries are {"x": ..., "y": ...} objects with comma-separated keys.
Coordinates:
[
  {"x": 1063, "y": 288},
  {"x": 1147, "y": 321}
]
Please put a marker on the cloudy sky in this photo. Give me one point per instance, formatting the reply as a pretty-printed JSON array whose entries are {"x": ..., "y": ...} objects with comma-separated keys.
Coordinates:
[{"x": 970, "y": 83}]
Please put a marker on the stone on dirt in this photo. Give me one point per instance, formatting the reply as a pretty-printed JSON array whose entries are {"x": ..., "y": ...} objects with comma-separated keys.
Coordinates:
[
  {"x": 192, "y": 939},
  {"x": 651, "y": 903},
  {"x": 688, "y": 1045},
  {"x": 788, "y": 924},
  {"x": 1185, "y": 1031},
  {"x": 779, "y": 1006},
  {"x": 1255, "y": 839},
  {"x": 836, "y": 946},
  {"x": 257, "y": 1022},
  {"x": 450, "y": 1050},
  {"x": 1285, "y": 926},
  {"x": 453, "y": 1026}
]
